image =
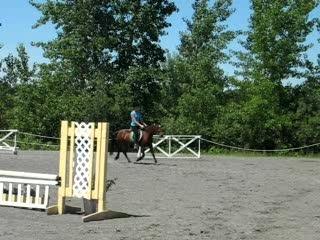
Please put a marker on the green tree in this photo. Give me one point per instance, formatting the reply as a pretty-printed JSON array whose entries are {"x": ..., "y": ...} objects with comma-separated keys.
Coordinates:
[
  {"x": 9, "y": 70},
  {"x": 97, "y": 54},
  {"x": 306, "y": 117},
  {"x": 195, "y": 75},
  {"x": 24, "y": 99},
  {"x": 16, "y": 89},
  {"x": 277, "y": 38},
  {"x": 25, "y": 74},
  {"x": 104, "y": 36},
  {"x": 275, "y": 52},
  {"x": 7, "y": 89}
]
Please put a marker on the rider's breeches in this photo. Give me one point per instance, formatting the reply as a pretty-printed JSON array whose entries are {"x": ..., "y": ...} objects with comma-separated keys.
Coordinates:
[{"x": 135, "y": 130}]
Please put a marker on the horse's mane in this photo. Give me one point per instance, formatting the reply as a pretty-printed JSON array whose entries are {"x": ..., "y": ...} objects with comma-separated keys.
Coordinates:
[{"x": 152, "y": 127}]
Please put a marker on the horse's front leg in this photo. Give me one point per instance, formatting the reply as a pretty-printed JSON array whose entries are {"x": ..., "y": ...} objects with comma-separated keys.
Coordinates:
[
  {"x": 125, "y": 154},
  {"x": 142, "y": 155},
  {"x": 152, "y": 152}
]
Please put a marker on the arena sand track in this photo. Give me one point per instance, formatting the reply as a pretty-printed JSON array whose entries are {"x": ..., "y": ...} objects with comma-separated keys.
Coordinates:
[{"x": 208, "y": 198}]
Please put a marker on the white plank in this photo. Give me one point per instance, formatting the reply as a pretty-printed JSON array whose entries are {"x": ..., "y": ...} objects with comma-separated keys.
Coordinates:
[{"x": 28, "y": 175}]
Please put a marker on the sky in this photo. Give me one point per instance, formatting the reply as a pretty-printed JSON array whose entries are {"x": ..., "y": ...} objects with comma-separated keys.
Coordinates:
[{"x": 18, "y": 17}]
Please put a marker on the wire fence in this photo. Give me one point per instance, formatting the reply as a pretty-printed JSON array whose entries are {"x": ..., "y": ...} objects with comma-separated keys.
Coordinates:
[
  {"x": 202, "y": 139},
  {"x": 39, "y": 136},
  {"x": 260, "y": 150},
  {"x": 30, "y": 140}
]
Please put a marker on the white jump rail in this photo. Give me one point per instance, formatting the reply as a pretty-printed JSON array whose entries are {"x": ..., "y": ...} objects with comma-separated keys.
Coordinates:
[
  {"x": 182, "y": 142},
  {"x": 8, "y": 140},
  {"x": 26, "y": 190}
]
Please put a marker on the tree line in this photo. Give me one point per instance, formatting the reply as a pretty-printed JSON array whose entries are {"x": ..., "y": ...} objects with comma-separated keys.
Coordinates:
[{"x": 106, "y": 58}]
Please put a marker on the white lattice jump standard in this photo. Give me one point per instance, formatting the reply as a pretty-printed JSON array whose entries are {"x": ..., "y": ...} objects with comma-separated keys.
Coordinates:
[
  {"x": 26, "y": 190},
  {"x": 8, "y": 140},
  {"x": 83, "y": 168},
  {"x": 170, "y": 146}
]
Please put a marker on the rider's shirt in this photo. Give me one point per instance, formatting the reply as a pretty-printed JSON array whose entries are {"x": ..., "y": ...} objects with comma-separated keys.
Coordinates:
[{"x": 136, "y": 115}]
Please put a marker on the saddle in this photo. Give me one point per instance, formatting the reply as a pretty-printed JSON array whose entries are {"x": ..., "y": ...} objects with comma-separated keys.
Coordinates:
[{"x": 140, "y": 134}]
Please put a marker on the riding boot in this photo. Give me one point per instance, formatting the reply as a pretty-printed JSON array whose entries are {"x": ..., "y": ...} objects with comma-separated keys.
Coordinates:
[{"x": 135, "y": 140}]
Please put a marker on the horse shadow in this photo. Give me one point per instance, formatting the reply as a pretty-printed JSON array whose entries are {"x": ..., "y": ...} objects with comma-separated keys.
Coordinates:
[
  {"x": 155, "y": 164},
  {"x": 146, "y": 163}
]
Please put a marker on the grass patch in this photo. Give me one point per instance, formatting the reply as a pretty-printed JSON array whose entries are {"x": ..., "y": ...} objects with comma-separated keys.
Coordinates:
[{"x": 242, "y": 153}]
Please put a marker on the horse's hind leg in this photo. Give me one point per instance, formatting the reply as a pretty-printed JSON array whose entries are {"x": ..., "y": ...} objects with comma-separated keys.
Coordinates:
[
  {"x": 125, "y": 154},
  {"x": 152, "y": 152},
  {"x": 117, "y": 156}
]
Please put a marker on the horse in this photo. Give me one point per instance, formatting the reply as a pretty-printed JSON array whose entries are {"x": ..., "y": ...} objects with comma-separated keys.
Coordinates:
[{"x": 123, "y": 139}]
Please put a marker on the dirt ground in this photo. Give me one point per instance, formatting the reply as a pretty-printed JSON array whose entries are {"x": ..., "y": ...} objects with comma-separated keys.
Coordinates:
[{"x": 209, "y": 198}]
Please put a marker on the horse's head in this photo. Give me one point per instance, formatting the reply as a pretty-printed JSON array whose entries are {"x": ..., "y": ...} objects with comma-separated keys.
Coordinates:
[{"x": 155, "y": 129}]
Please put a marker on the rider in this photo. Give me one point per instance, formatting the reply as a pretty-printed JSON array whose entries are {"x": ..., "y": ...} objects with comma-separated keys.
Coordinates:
[{"x": 136, "y": 124}]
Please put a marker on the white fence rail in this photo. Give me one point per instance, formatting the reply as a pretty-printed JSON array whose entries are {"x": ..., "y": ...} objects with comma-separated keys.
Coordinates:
[
  {"x": 8, "y": 140},
  {"x": 176, "y": 146},
  {"x": 28, "y": 190}
]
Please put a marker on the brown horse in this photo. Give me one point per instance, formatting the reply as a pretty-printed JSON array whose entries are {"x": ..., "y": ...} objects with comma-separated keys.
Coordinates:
[{"x": 123, "y": 140}]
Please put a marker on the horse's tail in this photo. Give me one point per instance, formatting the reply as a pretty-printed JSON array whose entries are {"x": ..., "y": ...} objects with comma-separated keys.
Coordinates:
[{"x": 113, "y": 142}]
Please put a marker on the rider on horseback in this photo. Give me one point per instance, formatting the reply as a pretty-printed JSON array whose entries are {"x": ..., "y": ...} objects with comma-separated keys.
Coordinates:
[{"x": 136, "y": 124}]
